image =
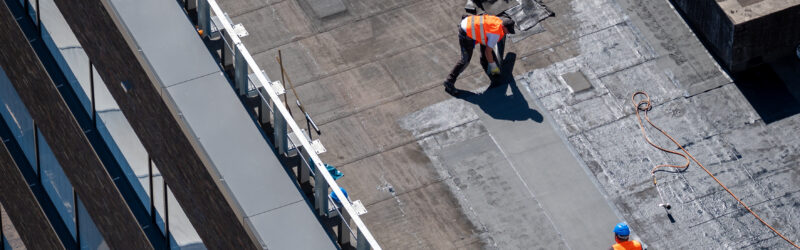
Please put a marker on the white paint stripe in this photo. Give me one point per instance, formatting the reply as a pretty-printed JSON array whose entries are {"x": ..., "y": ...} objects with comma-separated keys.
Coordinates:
[
  {"x": 472, "y": 26},
  {"x": 483, "y": 31}
]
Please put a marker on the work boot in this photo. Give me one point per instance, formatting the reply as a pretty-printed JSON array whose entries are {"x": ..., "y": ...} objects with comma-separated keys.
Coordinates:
[
  {"x": 470, "y": 7},
  {"x": 450, "y": 88}
]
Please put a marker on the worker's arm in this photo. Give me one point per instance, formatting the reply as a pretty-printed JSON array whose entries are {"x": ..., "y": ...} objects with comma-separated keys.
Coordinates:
[
  {"x": 493, "y": 69},
  {"x": 488, "y": 53}
]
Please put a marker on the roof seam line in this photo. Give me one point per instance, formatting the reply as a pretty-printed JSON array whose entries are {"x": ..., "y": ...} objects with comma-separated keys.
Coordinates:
[
  {"x": 192, "y": 79},
  {"x": 273, "y": 209}
]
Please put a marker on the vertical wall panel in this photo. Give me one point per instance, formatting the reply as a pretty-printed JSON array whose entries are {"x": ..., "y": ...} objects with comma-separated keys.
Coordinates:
[
  {"x": 69, "y": 145},
  {"x": 21, "y": 205},
  {"x": 196, "y": 190}
]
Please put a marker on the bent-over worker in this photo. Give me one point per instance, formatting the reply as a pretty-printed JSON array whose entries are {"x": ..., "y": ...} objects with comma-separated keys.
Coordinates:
[{"x": 486, "y": 30}]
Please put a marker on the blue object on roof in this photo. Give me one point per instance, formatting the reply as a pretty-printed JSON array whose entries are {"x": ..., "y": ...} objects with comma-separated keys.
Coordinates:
[
  {"x": 335, "y": 173},
  {"x": 336, "y": 199}
]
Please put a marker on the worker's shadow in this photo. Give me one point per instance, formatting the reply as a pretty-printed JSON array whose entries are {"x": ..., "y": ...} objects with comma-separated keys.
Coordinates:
[{"x": 495, "y": 101}]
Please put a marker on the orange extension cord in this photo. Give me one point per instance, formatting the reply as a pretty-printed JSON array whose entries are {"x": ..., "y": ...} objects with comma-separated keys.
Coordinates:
[{"x": 645, "y": 105}]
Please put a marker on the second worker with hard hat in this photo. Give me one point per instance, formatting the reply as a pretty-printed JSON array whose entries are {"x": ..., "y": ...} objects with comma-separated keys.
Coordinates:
[{"x": 622, "y": 234}]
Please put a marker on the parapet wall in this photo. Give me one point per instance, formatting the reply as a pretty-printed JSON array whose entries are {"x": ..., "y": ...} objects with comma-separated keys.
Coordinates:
[
  {"x": 766, "y": 38},
  {"x": 743, "y": 34}
]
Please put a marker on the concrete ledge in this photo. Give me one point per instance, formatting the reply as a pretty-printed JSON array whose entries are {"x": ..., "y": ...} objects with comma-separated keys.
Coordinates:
[{"x": 745, "y": 33}]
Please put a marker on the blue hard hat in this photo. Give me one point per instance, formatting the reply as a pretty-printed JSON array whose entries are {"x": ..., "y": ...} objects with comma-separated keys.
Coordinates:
[{"x": 622, "y": 229}]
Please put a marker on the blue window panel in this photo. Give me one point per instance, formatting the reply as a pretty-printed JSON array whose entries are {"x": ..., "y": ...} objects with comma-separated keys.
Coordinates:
[
  {"x": 90, "y": 236},
  {"x": 158, "y": 198},
  {"x": 17, "y": 118},
  {"x": 57, "y": 185},
  {"x": 69, "y": 59},
  {"x": 115, "y": 130},
  {"x": 31, "y": 8},
  {"x": 182, "y": 233}
]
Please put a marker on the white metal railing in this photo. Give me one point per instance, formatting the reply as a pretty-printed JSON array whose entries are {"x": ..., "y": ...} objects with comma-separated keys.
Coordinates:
[{"x": 284, "y": 112}]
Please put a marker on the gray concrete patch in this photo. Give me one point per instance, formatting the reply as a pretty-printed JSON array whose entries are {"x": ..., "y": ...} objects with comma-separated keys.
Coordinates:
[
  {"x": 552, "y": 174},
  {"x": 403, "y": 216},
  {"x": 532, "y": 162},
  {"x": 305, "y": 60},
  {"x": 376, "y": 37},
  {"x": 325, "y": 8},
  {"x": 274, "y": 25},
  {"x": 576, "y": 81},
  {"x": 438, "y": 117},
  {"x": 510, "y": 215},
  {"x": 417, "y": 68},
  {"x": 349, "y": 146}
]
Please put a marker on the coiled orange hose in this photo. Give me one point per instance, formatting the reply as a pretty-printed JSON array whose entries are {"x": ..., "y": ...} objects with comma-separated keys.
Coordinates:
[{"x": 645, "y": 105}]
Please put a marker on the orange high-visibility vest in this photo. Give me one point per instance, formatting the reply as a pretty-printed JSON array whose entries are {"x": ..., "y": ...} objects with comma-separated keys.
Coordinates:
[
  {"x": 478, "y": 26},
  {"x": 628, "y": 245}
]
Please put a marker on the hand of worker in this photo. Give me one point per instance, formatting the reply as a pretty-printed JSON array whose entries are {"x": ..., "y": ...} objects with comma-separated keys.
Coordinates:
[{"x": 493, "y": 69}]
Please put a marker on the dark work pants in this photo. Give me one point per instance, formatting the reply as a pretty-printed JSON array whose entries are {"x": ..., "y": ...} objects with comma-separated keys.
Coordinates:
[{"x": 467, "y": 46}]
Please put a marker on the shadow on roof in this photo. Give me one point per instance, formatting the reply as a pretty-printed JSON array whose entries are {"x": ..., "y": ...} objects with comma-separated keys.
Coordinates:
[
  {"x": 495, "y": 101},
  {"x": 772, "y": 89}
]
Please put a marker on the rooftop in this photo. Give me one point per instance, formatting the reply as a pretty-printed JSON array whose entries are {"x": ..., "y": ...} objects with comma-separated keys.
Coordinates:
[{"x": 530, "y": 162}]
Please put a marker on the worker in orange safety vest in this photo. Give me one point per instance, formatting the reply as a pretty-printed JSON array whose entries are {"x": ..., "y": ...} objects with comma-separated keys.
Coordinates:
[
  {"x": 486, "y": 30},
  {"x": 622, "y": 236}
]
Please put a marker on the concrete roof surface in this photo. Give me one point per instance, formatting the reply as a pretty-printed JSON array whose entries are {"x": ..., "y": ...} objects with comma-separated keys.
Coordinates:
[{"x": 529, "y": 164}]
